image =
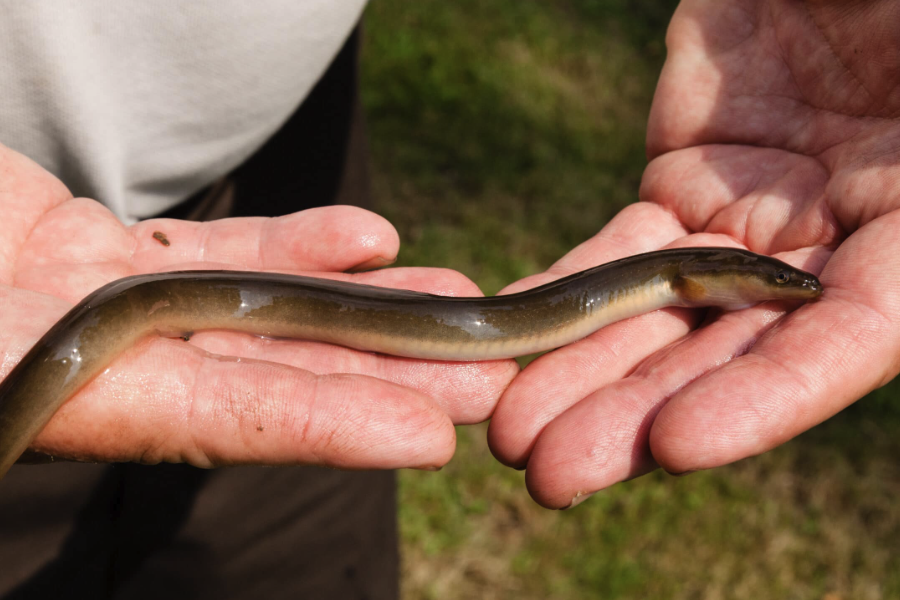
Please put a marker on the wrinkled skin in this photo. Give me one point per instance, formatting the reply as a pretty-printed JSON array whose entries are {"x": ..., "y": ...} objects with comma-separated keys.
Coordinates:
[
  {"x": 775, "y": 127},
  {"x": 282, "y": 403}
]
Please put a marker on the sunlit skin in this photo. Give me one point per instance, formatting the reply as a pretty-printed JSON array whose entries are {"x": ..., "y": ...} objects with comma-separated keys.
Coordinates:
[{"x": 774, "y": 127}]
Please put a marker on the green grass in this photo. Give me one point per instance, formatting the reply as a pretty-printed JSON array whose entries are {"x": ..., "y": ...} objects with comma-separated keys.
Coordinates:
[{"x": 503, "y": 133}]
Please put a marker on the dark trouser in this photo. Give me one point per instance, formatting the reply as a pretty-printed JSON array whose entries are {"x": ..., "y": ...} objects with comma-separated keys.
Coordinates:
[{"x": 173, "y": 531}]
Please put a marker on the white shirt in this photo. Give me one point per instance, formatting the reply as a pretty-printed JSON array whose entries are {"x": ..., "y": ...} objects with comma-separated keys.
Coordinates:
[{"x": 140, "y": 104}]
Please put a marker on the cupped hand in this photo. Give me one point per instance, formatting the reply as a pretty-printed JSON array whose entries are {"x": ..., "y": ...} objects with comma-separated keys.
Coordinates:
[
  {"x": 775, "y": 127},
  {"x": 283, "y": 402}
]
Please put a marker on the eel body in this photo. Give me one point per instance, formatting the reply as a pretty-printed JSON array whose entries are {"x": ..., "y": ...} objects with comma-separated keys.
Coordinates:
[{"x": 396, "y": 322}]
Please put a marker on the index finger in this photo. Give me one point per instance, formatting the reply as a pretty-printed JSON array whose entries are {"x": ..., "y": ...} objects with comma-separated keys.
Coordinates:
[{"x": 333, "y": 238}]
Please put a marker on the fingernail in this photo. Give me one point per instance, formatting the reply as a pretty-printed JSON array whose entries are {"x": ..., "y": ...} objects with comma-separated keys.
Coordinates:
[
  {"x": 427, "y": 468},
  {"x": 578, "y": 499},
  {"x": 373, "y": 263},
  {"x": 682, "y": 473}
]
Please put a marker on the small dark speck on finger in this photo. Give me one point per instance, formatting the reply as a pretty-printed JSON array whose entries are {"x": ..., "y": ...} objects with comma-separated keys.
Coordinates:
[{"x": 161, "y": 238}]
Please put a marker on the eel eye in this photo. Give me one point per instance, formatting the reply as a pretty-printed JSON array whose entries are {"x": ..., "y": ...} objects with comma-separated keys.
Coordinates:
[{"x": 782, "y": 277}]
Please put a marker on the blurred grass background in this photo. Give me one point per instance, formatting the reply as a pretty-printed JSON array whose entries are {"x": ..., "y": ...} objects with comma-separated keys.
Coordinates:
[{"x": 503, "y": 133}]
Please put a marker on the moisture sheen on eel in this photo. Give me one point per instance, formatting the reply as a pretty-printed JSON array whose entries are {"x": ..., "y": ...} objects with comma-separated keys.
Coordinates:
[{"x": 397, "y": 322}]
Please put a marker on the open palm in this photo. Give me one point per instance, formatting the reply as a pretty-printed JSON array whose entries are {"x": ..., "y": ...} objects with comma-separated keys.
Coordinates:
[
  {"x": 281, "y": 403},
  {"x": 776, "y": 127}
]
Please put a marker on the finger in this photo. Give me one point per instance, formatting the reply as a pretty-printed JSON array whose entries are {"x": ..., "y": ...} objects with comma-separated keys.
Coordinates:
[
  {"x": 770, "y": 200},
  {"x": 555, "y": 381},
  {"x": 639, "y": 227},
  {"x": 334, "y": 238},
  {"x": 466, "y": 391},
  {"x": 79, "y": 245},
  {"x": 817, "y": 362},
  {"x": 863, "y": 186},
  {"x": 166, "y": 401}
]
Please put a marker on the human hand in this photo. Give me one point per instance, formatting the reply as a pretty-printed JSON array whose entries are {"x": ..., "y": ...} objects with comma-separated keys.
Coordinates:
[
  {"x": 774, "y": 127},
  {"x": 284, "y": 402}
]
